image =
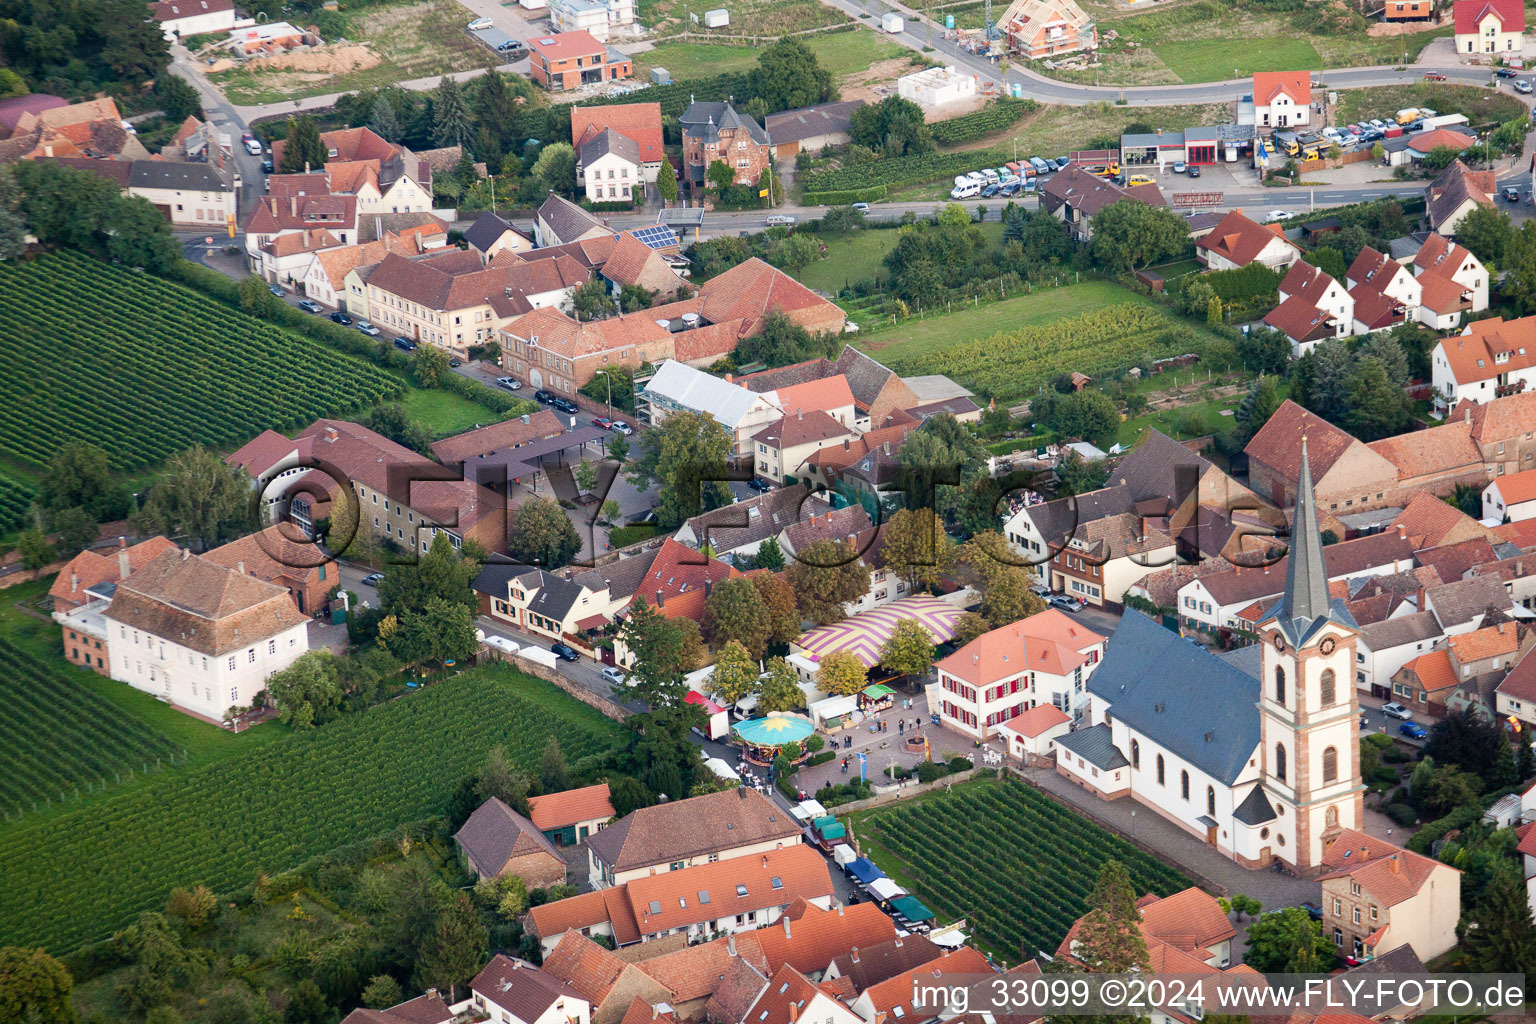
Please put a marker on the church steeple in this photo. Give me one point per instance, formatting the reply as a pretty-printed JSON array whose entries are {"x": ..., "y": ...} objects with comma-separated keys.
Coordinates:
[{"x": 1305, "y": 600}]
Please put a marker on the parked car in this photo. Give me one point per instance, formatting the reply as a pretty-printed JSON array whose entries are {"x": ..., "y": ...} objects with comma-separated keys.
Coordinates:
[
  {"x": 1505, "y": 72},
  {"x": 510, "y": 383},
  {"x": 275, "y": 290},
  {"x": 1396, "y": 710},
  {"x": 613, "y": 675},
  {"x": 1522, "y": 86},
  {"x": 267, "y": 167},
  {"x": 1010, "y": 189},
  {"x": 339, "y": 317},
  {"x": 1064, "y": 602},
  {"x": 455, "y": 362},
  {"x": 479, "y": 23},
  {"x": 1413, "y": 730},
  {"x": 603, "y": 422},
  {"x": 1139, "y": 179},
  {"x": 404, "y": 344},
  {"x": 620, "y": 427},
  {"x": 1314, "y": 911},
  {"x": 1194, "y": 170},
  {"x": 310, "y": 306},
  {"x": 1356, "y": 130},
  {"x": 1434, "y": 76},
  {"x": 373, "y": 579},
  {"x": 251, "y": 143},
  {"x": 757, "y": 484},
  {"x": 1179, "y": 167},
  {"x": 503, "y": 644},
  {"x": 990, "y": 191},
  {"x": 564, "y": 652},
  {"x": 544, "y": 397},
  {"x": 367, "y": 328},
  {"x": 1511, "y": 194},
  {"x": 1377, "y": 123},
  {"x": 565, "y": 405}
]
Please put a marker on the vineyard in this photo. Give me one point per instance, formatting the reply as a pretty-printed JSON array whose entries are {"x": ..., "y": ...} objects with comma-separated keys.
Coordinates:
[
  {"x": 15, "y": 496},
  {"x": 64, "y": 740},
  {"x": 95, "y": 352},
  {"x": 1013, "y": 364},
  {"x": 1015, "y": 863},
  {"x": 903, "y": 170},
  {"x": 75, "y": 878},
  {"x": 980, "y": 123}
]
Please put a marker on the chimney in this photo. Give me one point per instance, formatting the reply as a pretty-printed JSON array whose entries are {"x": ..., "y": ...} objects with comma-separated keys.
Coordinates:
[
  {"x": 1396, "y": 864},
  {"x": 186, "y": 553},
  {"x": 786, "y": 924},
  {"x": 431, "y": 992},
  {"x": 331, "y": 435},
  {"x": 293, "y": 206},
  {"x": 741, "y": 792},
  {"x": 661, "y": 603},
  {"x": 74, "y": 582},
  {"x": 1402, "y": 530},
  {"x": 730, "y": 944},
  {"x": 1467, "y": 415},
  {"x": 122, "y": 564},
  {"x": 1365, "y": 853},
  {"x": 853, "y": 954},
  {"x": 794, "y": 1012},
  {"x": 240, "y": 567}
]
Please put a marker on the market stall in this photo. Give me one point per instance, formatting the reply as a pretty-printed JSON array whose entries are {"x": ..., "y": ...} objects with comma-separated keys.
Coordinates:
[
  {"x": 763, "y": 738},
  {"x": 909, "y": 909},
  {"x": 885, "y": 890},
  {"x": 721, "y": 768},
  {"x": 714, "y": 714},
  {"x": 835, "y": 713},
  {"x": 829, "y": 832},
  {"x": 863, "y": 871},
  {"x": 876, "y": 698}
]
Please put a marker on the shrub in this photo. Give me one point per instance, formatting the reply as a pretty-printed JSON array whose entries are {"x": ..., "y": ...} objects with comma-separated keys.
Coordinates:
[
  {"x": 842, "y": 196},
  {"x": 960, "y": 764},
  {"x": 814, "y": 742},
  {"x": 1402, "y": 814},
  {"x": 932, "y": 771}
]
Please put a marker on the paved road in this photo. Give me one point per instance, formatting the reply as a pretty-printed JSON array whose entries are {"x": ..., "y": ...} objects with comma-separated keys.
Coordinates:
[{"x": 224, "y": 115}]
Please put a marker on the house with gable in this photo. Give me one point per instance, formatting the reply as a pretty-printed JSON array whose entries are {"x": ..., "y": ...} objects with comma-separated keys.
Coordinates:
[
  {"x": 1511, "y": 498},
  {"x": 1378, "y": 897},
  {"x": 639, "y": 122},
  {"x": 490, "y": 235},
  {"x": 1452, "y": 283},
  {"x": 541, "y": 602},
  {"x": 1476, "y": 659},
  {"x": 512, "y": 991},
  {"x": 1238, "y": 241},
  {"x": 559, "y": 221},
  {"x": 878, "y": 392},
  {"x": 677, "y": 387},
  {"x": 1040, "y": 29},
  {"x": 790, "y": 997},
  {"x": 1456, "y": 192},
  {"x": 1282, "y": 99},
  {"x": 739, "y": 529},
  {"x": 180, "y": 18},
  {"x": 568, "y": 817},
  {"x": 1075, "y": 197},
  {"x": 1313, "y": 306},
  {"x": 1349, "y": 474},
  {"x": 714, "y": 130},
  {"x": 899, "y": 998},
  {"x": 1504, "y": 430},
  {"x": 1385, "y": 292},
  {"x": 497, "y": 841},
  {"x": 1495, "y": 27},
  {"x": 92, "y": 576},
  {"x": 611, "y": 160},
  {"x": 609, "y": 984},
  {"x": 1515, "y": 697},
  {"x": 1489, "y": 359}
]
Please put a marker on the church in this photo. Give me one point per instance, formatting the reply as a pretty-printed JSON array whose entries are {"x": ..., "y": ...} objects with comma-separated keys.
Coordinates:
[{"x": 1263, "y": 769}]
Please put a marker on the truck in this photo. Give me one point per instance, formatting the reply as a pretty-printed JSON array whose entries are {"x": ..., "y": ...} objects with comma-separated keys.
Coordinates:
[
  {"x": 539, "y": 656},
  {"x": 892, "y": 23}
]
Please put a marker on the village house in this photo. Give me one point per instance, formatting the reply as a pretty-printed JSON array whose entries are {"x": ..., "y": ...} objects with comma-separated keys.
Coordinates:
[
  {"x": 490, "y": 235},
  {"x": 512, "y": 991},
  {"x": 877, "y": 391},
  {"x": 790, "y": 997},
  {"x": 1456, "y": 192},
  {"x": 612, "y": 159},
  {"x": 609, "y": 984},
  {"x": 718, "y": 131},
  {"x": 554, "y": 352},
  {"x": 180, "y": 18},
  {"x": 1425, "y": 683},
  {"x": 497, "y": 841},
  {"x": 906, "y": 996},
  {"x": 92, "y": 576},
  {"x": 282, "y": 555},
  {"x": 1106, "y": 557},
  {"x": 558, "y": 221},
  {"x": 1515, "y": 697},
  {"x": 1452, "y": 283},
  {"x": 782, "y": 447},
  {"x": 1511, "y": 498},
  {"x": 594, "y": 16},
  {"x": 1389, "y": 644},
  {"x": 677, "y": 387},
  {"x": 1377, "y": 897},
  {"x": 1504, "y": 430},
  {"x": 1075, "y": 197},
  {"x": 187, "y": 630},
  {"x": 1463, "y": 606},
  {"x": 737, "y": 530},
  {"x": 570, "y": 60},
  {"x": 1238, "y": 241},
  {"x": 1190, "y": 922},
  {"x": 1349, "y": 474},
  {"x": 698, "y": 830},
  {"x": 1385, "y": 292},
  {"x": 568, "y": 817},
  {"x": 1039, "y": 29},
  {"x": 1395, "y": 12},
  {"x": 1046, "y": 659},
  {"x": 1313, "y": 306},
  {"x": 1489, "y": 359},
  {"x": 638, "y": 122},
  {"x": 634, "y": 262},
  {"x": 810, "y": 128},
  {"x": 540, "y": 602},
  {"x": 1282, "y": 99},
  {"x": 1494, "y": 27},
  {"x": 42, "y": 126},
  {"x": 427, "y": 1008}
]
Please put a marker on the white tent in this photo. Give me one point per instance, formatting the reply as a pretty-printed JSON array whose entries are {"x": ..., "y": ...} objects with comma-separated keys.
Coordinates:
[
  {"x": 721, "y": 768},
  {"x": 824, "y": 711},
  {"x": 844, "y": 854},
  {"x": 885, "y": 889},
  {"x": 949, "y": 938},
  {"x": 806, "y": 810}
]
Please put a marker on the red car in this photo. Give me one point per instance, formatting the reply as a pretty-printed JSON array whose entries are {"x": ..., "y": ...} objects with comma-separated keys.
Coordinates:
[
  {"x": 602, "y": 421},
  {"x": 1433, "y": 76}
]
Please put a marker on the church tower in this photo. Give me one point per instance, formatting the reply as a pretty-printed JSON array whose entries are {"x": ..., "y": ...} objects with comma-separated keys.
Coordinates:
[{"x": 1309, "y": 708}]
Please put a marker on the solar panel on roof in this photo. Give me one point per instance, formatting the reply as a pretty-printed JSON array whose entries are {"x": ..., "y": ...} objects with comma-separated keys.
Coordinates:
[{"x": 656, "y": 236}]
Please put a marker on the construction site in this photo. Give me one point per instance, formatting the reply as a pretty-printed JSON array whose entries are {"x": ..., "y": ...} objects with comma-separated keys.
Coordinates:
[{"x": 1031, "y": 30}]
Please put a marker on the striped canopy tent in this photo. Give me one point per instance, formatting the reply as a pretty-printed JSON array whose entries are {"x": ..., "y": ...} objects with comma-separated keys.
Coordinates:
[
  {"x": 775, "y": 730},
  {"x": 866, "y": 633}
]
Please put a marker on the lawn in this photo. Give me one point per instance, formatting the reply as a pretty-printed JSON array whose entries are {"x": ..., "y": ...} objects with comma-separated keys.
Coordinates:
[
  {"x": 841, "y": 53},
  {"x": 445, "y": 414},
  {"x": 1017, "y": 865},
  {"x": 1481, "y": 106},
  {"x": 279, "y": 805},
  {"x": 855, "y": 256},
  {"x": 667, "y": 18},
  {"x": 385, "y": 44}
]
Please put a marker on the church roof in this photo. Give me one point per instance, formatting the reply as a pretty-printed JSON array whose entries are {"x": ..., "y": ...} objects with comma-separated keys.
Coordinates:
[
  {"x": 1256, "y": 809},
  {"x": 1180, "y": 696}
]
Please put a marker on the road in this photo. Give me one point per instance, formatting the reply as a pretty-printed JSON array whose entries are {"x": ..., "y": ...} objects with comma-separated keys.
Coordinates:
[{"x": 221, "y": 113}]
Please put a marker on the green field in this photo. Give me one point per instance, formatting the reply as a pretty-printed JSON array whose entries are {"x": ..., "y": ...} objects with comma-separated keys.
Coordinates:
[
  {"x": 1481, "y": 106},
  {"x": 748, "y": 17},
  {"x": 98, "y": 353},
  {"x": 1020, "y": 880},
  {"x": 841, "y": 53},
  {"x": 75, "y": 878},
  {"x": 857, "y": 255},
  {"x": 15, "y": 498},
  {"x": 88, "y": 745},
  {"x": 444, "y": 413}
]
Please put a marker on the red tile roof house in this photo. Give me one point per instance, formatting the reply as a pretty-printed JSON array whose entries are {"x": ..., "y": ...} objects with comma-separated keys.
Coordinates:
[
  {"x": 610, "y": 984},
  {"x": 1190, "y": 921},
  {"x": 1452, "y": 282},
  {"x": 1494, "y": 27},
  {"x": 569, "y": 817},
  {"x": 1490, "y": 359},
  {"x": 508, "y": 989},
  {"x": 1377, "y": 897},
  {"x": 427, "y": 1008},
  {"x": 1313, "y": 307},
  {"x": 1282, "y": 99},
  {"x": 1456, "y": 192},
  {"x": 1425, "y": 684},
  {"x": 92, "y": 576},
  {"x": 639, "y": 122},
  {"x": 1385, "y": 292},
  {"x": 1238, "y": 241},
  {"x": 570, "y": 60},
  {"x": 497, "y": 841},
  {"x": 1075, "y": 197}
]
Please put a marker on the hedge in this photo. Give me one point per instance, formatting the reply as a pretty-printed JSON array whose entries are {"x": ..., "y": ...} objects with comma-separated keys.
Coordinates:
[
  {"x": 1249, "y": 282},
  {"x": 846, "y": 196}
]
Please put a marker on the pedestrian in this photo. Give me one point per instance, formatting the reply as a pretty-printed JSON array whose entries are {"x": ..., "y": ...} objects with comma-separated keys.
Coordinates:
[{"x": 901, "y": 727}]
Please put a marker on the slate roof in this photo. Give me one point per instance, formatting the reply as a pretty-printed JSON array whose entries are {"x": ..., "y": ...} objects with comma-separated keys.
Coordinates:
[
  {"x": 486, "y": 229},
  {"x": 703, "y": 120},
  {"x": 520, "y": 987},
  {"x": 1152, "y": 679},
  {"x": 692, "y": 827},
  {"x": 495, "y": 833},
  {"x": 1096, "y": 745},
  {"x": 567, "y": 220},
  {"x": 1463, "y": 600},
  {"x": 812, "y": 122},
  {"x": 1255, "y": 808},
  {"x": 751, "y": 521},
  {"x": 1157, "y": 467},
  {"x": 1088, "y": 193},
  {"x": 191, "y": 177},
  {"x": 609, "y": 141}
]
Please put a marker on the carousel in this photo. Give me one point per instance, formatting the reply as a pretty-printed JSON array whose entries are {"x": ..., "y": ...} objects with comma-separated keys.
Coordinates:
[{"x": 762, "y": 738}]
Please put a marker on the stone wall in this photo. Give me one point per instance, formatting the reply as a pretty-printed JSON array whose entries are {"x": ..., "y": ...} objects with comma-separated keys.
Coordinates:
[
  {"x": 902, "y": 790},
  {"x": 549, "y": 675}
]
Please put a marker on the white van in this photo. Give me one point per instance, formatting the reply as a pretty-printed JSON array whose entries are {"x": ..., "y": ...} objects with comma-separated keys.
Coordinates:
[
  {"x": 969, "y": 190},
  {"x": 502, "y": 644},
  {"x": 779, "y": 219},
  {"x": 991, "y": 176}
]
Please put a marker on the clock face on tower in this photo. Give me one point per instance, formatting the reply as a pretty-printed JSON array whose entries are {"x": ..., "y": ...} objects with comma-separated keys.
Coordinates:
[
  {"x": 1328, "y": 645},
  {"x": 1279, "y": 643}
]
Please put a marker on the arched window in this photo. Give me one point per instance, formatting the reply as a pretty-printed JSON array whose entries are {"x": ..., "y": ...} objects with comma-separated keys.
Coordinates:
[
  {"x": 1135, "y": 754},
  {"x": 1325, "y": 694},
  {"x": 1280, "y": 762},
  {"x": 1330, "y": 765},
  {"x": 1210, "y": 800},
  {"x": 1160, "y": 779},
  {"x": 1184, "y": 784},
  {"x": 1280, "y": 684}
]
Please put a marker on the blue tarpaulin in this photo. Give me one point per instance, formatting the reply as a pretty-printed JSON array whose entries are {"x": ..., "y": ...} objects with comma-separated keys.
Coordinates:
[{"x": 864, "y": 870}]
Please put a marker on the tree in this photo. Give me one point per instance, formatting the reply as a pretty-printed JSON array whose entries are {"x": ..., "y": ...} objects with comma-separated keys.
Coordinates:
[
  {"x": 770, "y": 556},
  {"x": 34, "y": 987},
  {"x": 178, "y": 100},
  {"x": 1257, "y": 406},
  {"x": 495, "y": 110},
  {"x": 553, "y": 774},
  {"x": 1497, "y": 935},
  {"x": 555, "y": 169},
  {"x": 501, "y": 780},
  {"x": 788, "y": 77},
  {"x": 1079, "y": 476},
  {"x": 36, "y": 551},
  {"x": 1377, "y": 407},
  {"x": 1438, "y": 159},
  {"x": 781, "y": 341},
  {"x": 894, "y": 126},
  {"x": 840, "y": 220},
  {"x": 1466, "y": 739},
  {"x": 1213, "y": 312},
  {"x": 734, "y": 612},
  {"x": 794, "y": 253},
  {"x": 952, "y": 215},
  {"x": 450, "y": 120},
  {"x": 634, "y": 297},
  {"x": 395, "y": 423},
  {"x": 13, "y": 226},
  {"x": 968, "y": 627},
  {"x": 666, "y": 182},
  {"x": 199, "y": 498},
  {"x": 780, "y": 689},
  {"x": 841, "y": 673},
  {"x": 307, "y": 692},
  {"x": 194, "y": 907},
  {"x": 720, "y": 175},
  {"x": 441, "y": 631},
  {"x": 618, "y": 448},
  {"x": 1109, "y": 939},
  {"x": 443, "y": 573},
  {"x": 916, "y": 548},
  {"x": 1128, "y": 235},
  {"x": 664, "y": 651},
  {"x": 454, "y": 951},
  {"x": 541, "y": 534},
  {"x": 586, "y": 476},
  {"x": 302, "y": 148},
  {"x": 1525, "y": 759},
  {"x": 780, "y": 612},
  {"x": 385, "y": 123},
  {"x": 593, "y": 301},
  {"x": 826, "y": 575},
  {"x": 1486, "y": 232},
  {"x": 735, "y": 674},
  {"x": 909, "y": 651},
  {"x": 382, "y": 992},
  {"x": 1281, "y": 939},
  {"x": 1007, "y": 597},
  {"x": 687, "y": 456},
  {"x": 1090, "y": 415},
  {"x": 429, "y": 365},
  {"x": 1329, "y": 260},
  {"x": 1447, "y": 788},
  {"x": 74, "y": 530}
]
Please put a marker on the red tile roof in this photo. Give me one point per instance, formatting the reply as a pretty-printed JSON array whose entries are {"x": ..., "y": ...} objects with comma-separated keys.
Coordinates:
[
  {"x": 1295, "y": 84},
  {"x": 1496, "y": 641},
  {"x": 1389, "y": 873},
  {"x": 737, "y": 885},
  {"x": 1047, "y": 642},
  {"x": 698, "y": 971},
  {"x": 1426, "y": 142},
  {"x": 1439, "y": 449},
  {"x": 1278, "y": 442},
  {"x": 1469, "y": 15},
  {"x": 1036, "y": 720},
  {"x": 557, "y": 810},
  {"x": 89, "y": 568},
  {"x": 1517, "y": 487},
  {"x": 822, "y": 395},
  {"x": 808, "y": 938},
  {"x": 1491, "y": 347},
  {"x": 1434, "y": 670},
  {"x": 1240, "y": 239},
  {"x": 638, "y": 121},
  {"x": 897, "y": 993},
  {"x": 1191, "y": 920},
  {"x": 566, "y": 45}
]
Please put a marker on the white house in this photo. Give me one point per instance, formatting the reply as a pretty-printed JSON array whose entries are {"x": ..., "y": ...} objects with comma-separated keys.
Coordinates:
[
  {"x": 1452, "y": 283},
  {"x": 678, "y": 387},
  {"x": 181, "y": 18},
  {"x": 1388, "y": 645},
  {"x": 1313, "y": 306},
  {"x": 1511, "y": 498},
  {"x": 1237, "y": 241},
  {"x": 1282, "y": 99},
  {"x": 1490, "y": 359},
  {"x": 1046, "y": 659},
  {"x": 1032, "y": 736},
  {"x": 1495, "y": 27},
  {"x": 598, "y": 17},
  {"x": 1385, "y": 293},
  {"x": 200, "y": 636},
  {"x": 611, "y": 167},
  {"x": 512, "y": 991}
]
